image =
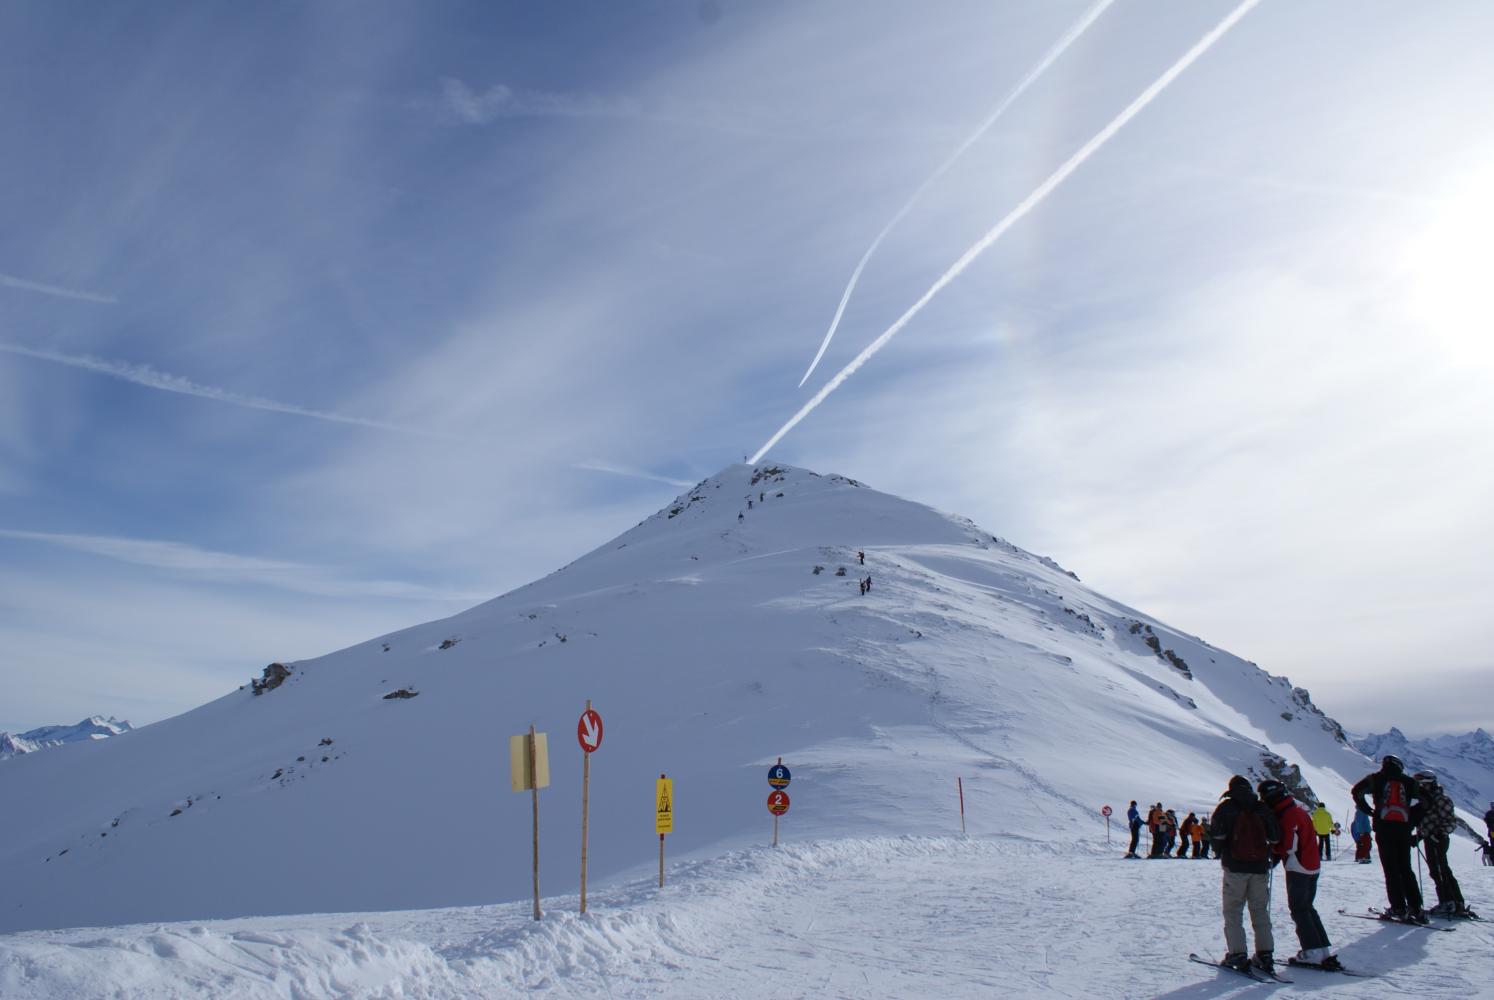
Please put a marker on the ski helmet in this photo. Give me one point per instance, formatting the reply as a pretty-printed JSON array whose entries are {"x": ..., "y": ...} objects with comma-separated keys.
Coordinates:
[
  {"x": 1390, "y": 762},
  {"x": 1271, "y": 791},
  {"x": 1426, "y": 777}
]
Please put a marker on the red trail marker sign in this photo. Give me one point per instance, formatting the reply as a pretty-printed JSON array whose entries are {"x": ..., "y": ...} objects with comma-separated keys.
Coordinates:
[{"x": 589, "y": 730}]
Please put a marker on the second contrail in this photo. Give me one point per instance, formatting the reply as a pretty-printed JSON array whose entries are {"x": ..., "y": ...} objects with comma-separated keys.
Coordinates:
[
  {"x": 1059, "y": 47},
  {"x": 1028, "y": 204}
]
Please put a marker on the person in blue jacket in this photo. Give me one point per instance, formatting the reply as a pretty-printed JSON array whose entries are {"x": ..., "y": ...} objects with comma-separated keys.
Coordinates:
[
  {"x": 1360, "y": 831},
  {"x": 1134, "y": 818}
]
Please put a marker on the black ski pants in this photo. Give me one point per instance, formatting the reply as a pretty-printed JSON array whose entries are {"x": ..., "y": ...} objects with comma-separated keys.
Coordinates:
[
  {"x": 1394, "y": 843},
  {"x": 1302, "y": 890},
  {"x": 1135, "y": 836},
  {"x": 1325, "y": 846},
  {"x": 1448, "y": 890}
]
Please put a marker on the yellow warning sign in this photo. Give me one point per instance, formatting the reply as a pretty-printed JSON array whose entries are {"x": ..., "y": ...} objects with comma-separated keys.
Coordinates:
[
  {"x": 664, "y": 805},
  {"x": 520, "y": 766}
]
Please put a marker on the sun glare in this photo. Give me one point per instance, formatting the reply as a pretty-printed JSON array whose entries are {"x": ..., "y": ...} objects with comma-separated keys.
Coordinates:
[{"x": 1449, "y": 271}]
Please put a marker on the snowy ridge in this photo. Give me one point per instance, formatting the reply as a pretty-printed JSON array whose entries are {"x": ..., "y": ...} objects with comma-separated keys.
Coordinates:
[
  {"x": 95, "y": 727},
  {"x": 711, "y": 646},
  {"x": 1464, "y": 765}
]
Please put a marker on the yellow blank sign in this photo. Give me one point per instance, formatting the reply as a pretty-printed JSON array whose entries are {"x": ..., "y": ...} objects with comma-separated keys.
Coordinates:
[
  {"x": 518, "y": 762},
  {"x": 664, "y": 805}
]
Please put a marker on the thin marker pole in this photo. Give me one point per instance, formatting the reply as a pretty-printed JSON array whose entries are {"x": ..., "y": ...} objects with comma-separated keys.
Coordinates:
[
  {"x": 960, "y": 784},
  {"x": 585, "y": 803},
  {"x": 661, "y": 848},
  {"x": 535, "y": 793}
]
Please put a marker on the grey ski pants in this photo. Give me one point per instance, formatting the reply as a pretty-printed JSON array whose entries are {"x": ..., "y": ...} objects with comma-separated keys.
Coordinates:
[{"x": 1241, "y": 888}]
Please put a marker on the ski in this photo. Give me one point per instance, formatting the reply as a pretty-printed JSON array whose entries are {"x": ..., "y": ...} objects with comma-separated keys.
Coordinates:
[
  {"x": 1294, "y": 963},
  {"x": 1259, "y": 975},
  {"x": 1375, "y": 914}
]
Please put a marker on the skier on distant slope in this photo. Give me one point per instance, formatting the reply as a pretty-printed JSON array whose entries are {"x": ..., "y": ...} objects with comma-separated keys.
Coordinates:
[
  {"x": 1489, "y": 821},
  {"x": 1298, "y": 850},
  {"x": 1133, "y": 817},
  {"x": 1396, "y": 810},
  {"x": 1438, "y": 822},
  {"x": 1243, "y": 830}
]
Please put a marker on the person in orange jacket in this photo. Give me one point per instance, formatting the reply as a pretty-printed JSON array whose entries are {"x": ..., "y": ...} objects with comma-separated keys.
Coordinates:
[
  {"x": 1154, "y": 820},
  {"x": 1188, "y": 836}
]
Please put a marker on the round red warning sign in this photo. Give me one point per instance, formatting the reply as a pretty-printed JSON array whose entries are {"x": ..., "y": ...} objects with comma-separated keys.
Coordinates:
[
  {"x": 778, "y": 803},
  {"x": 1105, "y": 812},
  {"x": 589, "y": 730}
]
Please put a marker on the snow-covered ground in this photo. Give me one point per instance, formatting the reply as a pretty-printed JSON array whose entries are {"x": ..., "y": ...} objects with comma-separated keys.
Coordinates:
[
  {"x": 873, "y": 917},
  {"x": 714, "y": 637}
]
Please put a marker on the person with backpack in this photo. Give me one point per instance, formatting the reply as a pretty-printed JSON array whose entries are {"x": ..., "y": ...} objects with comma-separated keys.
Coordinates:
[
  {"x": 1298, "y": 852},
  {"x": 1243, "y": 832},
  {"x": 1322, "y": 822},
  {"x": 1169, "y": 832},
  {"x": 1395, "y": 811},
  {"x": 1133, "y": 817},
  {"x": 1438, "y": 821},
  {"x": 1188, "y": 836},
  {"x": 1360, "y": 831},
  {"x": 1154, "y": 828},
  {"x": 1201, "y": 849}
]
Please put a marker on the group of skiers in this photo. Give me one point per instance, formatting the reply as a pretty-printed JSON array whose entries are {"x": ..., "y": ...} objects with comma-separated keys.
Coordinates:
[
  {"x": 1255, "y": 829},
  {"x": 1190, "y": 837}
]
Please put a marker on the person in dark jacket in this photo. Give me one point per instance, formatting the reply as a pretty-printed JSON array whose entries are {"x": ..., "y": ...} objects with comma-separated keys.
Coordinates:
[
  {"x": 1133, "y": 817},
  {"x": 1394, "y": 812},
  {"x": 1299, "y": 852},
  {"x": 1489, "y": 821},
  {"x": 1438, "y": 821},
  {"x": 1201, "y": 849},
  {"x": 1243, "y": 831}
]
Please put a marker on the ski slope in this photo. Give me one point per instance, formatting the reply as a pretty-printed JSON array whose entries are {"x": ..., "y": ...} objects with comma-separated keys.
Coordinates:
[
  {"x": 711, "y": 647},
  {"x": 870, "y": 917}
]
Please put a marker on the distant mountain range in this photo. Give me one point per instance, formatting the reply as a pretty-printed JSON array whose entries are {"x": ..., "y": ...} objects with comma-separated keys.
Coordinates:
[
  {"x": 94, "y": 727},
  {"x": 1463, "y": 764}
]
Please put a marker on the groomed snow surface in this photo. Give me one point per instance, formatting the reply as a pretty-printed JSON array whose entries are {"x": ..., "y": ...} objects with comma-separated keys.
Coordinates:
[{"x": 876, "y": 917}]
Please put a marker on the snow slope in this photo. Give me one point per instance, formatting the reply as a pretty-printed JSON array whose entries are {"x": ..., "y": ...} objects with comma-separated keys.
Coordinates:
[
  {"x": 710, "y": 647},
  {"x": 94, "y": 727},
  {"x": 1464, "y": 765},
  {"x": 853, "y": 917}
]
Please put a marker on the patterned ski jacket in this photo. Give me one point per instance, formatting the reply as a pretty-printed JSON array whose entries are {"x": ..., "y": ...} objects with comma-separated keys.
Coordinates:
[{"x": 1438, "y": 820}]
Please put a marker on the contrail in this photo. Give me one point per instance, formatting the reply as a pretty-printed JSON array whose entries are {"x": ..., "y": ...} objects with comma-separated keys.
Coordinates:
[
  {"x": 153, "y": 379},
  {"x": 1027, "y": 205},
  {"x": 1069, "y": 37},
  {"x": 11, "y": 281},
  {"x": 597, "y": 465}
]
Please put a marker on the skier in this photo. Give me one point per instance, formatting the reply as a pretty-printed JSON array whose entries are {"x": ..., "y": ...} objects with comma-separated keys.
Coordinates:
[
  {"x": 1171, "y": 825},
  {"x": 1188, "y": 835},
  {"x": 1322, "y": 822},
  {"x": 868, "y": 583},
  {"x": 1201, "y": 849},
  {"x": 1489, "y": 821},
  {"x": 740, "y": 516},
  {"x": 861, "y": 557},
  {"x": 1243, "y": 831},
  {"x": 1396, "y": 809},
  {"x": 1154, "y": 828},
  {"x": 1438, "y": 822},
  {"x": 1360, "y": 831},
  {"x": 1298, "y": 849},
  {"x": 1134, "y": 819}
]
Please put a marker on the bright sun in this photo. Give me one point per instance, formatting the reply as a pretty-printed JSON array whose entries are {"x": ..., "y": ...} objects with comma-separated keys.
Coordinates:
[{"x": 1449, "y": 270}]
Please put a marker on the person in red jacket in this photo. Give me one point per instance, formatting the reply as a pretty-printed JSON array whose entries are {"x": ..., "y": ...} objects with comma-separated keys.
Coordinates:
[{"x": 1298, "y": 852}]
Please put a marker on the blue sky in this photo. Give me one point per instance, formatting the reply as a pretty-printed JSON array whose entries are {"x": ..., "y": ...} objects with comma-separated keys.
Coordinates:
[{"x": 319, "y": 320}]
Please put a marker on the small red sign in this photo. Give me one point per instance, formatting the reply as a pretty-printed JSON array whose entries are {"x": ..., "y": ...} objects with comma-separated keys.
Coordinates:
[
  {"x": 1105, "y": 812},
  {"x": 589, "y": 730},
  {"x": 778, "y": 803}
]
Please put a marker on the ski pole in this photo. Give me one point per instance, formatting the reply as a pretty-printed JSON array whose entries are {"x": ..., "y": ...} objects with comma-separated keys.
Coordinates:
[{"x": 1420, "y": 887}]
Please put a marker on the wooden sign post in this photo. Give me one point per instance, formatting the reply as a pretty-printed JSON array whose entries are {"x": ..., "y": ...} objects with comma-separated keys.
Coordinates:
[
  {"x": 529, "y": 770},
  {"x": 663, "y": 816},
  {"x": 589, "y": 735}
]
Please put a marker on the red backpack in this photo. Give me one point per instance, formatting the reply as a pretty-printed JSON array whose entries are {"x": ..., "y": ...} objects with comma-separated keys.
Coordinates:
[{"x": 1395, "y": 804}]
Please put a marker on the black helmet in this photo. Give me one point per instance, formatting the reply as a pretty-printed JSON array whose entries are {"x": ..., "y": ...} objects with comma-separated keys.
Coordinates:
[
  {"x": 1271, "y": 791},
  {"x": 1425, "y": 777},
  {"x": 1391, "y": 763}
]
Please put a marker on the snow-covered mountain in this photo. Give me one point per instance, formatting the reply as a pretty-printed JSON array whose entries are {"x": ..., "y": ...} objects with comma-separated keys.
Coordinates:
[
  {"x": 1463, "y": 764},
  {"x": 95, "y": 727},
  {"x": 726, "y": 630}
]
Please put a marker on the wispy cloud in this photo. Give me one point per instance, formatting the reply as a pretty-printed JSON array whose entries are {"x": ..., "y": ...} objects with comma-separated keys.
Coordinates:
[
  {"x": 226, "y": 567},
  {"x": 11, "y": 281},
  {"x": 501, "y": 101},
  {"x": 596, "y": 465},
  {"x": 1015, "y": 215},
  {"x": 166, "y": 382}
]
